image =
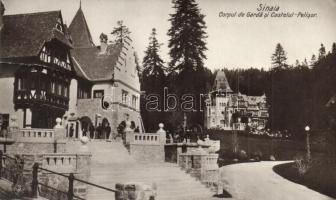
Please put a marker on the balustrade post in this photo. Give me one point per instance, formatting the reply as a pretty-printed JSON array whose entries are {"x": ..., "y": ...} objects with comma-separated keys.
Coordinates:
[
  {"x": 1, "y": 155},
  {"x": 35, "y": 181},
  {"x": 162, "y": 133},
  {"x": 70, "y": 190}
]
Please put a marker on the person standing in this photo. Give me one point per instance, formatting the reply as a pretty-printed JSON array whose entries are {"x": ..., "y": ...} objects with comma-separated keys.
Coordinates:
[
  {"x": 71, "y": 131},
  {"x": 99, "y": 131},
  {"x": 108, "y": 131},
  {"x": 91, "y": 130}
]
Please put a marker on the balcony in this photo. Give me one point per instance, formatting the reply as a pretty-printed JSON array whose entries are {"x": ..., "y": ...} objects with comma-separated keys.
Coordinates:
[{"x": 24, "y": 98}]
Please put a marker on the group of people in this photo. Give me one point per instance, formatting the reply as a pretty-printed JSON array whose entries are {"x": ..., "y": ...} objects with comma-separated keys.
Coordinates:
[{"x": 99, "y": 132}]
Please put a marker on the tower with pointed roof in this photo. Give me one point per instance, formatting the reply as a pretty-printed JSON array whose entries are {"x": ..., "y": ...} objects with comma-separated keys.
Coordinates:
[
  {"x": 79, "y": 30},
  {"x": 107, "y": 89},
  {"x": 221, "y": 83}
]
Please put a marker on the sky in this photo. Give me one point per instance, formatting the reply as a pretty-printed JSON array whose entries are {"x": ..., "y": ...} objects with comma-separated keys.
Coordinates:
[{"x": 237, "y": 42}]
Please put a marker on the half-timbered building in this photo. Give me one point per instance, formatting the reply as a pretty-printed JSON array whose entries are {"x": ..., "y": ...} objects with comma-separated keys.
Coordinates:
[
  {"x": 36, "y": 68},
  {"x": 49, "y": 70}
]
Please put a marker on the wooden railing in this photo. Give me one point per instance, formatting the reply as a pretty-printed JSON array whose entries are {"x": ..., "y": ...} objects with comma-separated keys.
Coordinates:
[{"x": 45, "y": 190}]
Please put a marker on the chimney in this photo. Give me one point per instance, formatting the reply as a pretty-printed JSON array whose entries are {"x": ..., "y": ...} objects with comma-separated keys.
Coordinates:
[
  {"x": 103, "y": 43},
  {"x": 2, "y": 12}
]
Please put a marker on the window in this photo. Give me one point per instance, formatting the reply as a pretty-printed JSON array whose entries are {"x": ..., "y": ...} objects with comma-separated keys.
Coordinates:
[
  {"x": 59, "y": 89},
  {"x": 59, "y": 25},
  {"x": 124, "y": 96},
  {"x": 20, "y": 84},
  {"x": 53, "y": 87},
  {"x": 66, "y": 91},
  {"x": 45, "y": 55},
  {"x": 98, "y": 93},
  {"x": 134, "y": 101}
]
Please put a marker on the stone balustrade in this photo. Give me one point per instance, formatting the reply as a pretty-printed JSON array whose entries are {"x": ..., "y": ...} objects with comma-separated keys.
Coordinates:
[
  {"x": 35, "y": 135},
  {"x": 146, "y": 138},
  {"x": 146, "y": 146},
  {"x": 63, "y": 163}
]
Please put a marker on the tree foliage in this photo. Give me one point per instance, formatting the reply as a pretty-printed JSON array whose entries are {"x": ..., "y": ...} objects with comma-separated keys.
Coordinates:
[
  {"x": 153, "y": 80},
  {"x": 120, "y": 32},
  {"x": 279, "y": 58},
  {"x": 187, "y": 36}
]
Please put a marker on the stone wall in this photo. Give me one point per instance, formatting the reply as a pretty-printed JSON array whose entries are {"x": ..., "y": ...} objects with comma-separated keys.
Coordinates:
[
  {"x": 35, "y": 147},
  {"x": 146, "y": 147},
  {"x": 148, "y": 152},
  {"x": 172, "y": 150},
  {"x": 115, "y": 115},
  {"x": 201, "y": 165},
  {"x": 78, "y": 164}
]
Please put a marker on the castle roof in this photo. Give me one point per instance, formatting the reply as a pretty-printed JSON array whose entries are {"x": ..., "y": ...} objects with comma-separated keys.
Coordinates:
[
  {"x": 221, "y": 82},
  {"x": 23, "y": 35},
  {"x": 90, "y": 64},
  {"x": 80, "y": 31}
]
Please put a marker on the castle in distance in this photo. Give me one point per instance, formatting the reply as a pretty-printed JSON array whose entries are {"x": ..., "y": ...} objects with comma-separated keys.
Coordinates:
[{"x": 227, "y": 110}]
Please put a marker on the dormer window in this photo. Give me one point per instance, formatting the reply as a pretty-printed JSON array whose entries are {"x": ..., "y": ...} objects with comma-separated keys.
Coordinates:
[
  {"x": 59, "y": 25},
  {"x": 45, "y": 55}
]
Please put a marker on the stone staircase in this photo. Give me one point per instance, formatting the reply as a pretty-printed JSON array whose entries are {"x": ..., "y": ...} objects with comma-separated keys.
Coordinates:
[{"x": 111, "y": 164}]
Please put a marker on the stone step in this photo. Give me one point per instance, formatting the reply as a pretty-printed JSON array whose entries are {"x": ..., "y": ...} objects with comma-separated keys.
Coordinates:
[{"x": 111, "y": 163}]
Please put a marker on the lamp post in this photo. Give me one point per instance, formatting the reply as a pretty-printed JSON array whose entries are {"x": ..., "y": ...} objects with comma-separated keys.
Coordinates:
[{"x": 307, "y": 129}]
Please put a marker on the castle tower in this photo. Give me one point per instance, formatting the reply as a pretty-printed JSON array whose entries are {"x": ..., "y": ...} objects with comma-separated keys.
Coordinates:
[{"x": 221, "y": 83}]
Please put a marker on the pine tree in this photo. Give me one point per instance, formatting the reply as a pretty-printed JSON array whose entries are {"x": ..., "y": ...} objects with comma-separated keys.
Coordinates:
[
  {"x": 120, "y": 32},
  {"x": 152, "y": 63},
  {"x": 279, "y": 58},
  {"x": 322, "y": 52},
  {"x": 305, "y": 63},
  {"x": 153, "y": 80},
  {"x": 187, "y": 36},
  {"x": 313, "y": 60},
  {"x": 333, "y": 49}
]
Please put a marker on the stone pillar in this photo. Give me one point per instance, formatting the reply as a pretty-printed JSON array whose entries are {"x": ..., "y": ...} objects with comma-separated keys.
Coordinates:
[
  {"x": 84, "y": 147},
  {"x": 162, "y": 133},
  {"x": 59, "y": 130},
  {"x": 129, "y": 133},
  {"x": 13, "y": 129},
  {"x": 134, "y": 191}
]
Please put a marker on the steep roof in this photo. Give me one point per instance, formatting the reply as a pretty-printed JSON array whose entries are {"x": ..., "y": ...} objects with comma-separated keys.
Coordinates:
[
  {"x": 221, "y": 82},
  {"x": 23, "y": 35},
  {"x": 80, "y": 32},
  {"x": 91, "y": 64}
]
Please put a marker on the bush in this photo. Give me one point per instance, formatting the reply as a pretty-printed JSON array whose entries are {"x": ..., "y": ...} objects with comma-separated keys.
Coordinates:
[
  {"x": 301, "y": 165},
  {"x": 242, "y": 155},
  {"x": 257, "y": 155}
]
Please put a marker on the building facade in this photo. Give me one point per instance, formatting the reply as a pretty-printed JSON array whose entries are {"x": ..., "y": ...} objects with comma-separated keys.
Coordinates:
[
  {"x": 107, "y": 90},
  {"x": 49, "y": 70},
  {"x": 36, "y": 68},
  {"x": 233, "y": 111}
]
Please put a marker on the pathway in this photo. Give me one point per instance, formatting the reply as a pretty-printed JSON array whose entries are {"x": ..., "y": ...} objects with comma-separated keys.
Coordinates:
[{"x": 258, "y": 181}]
